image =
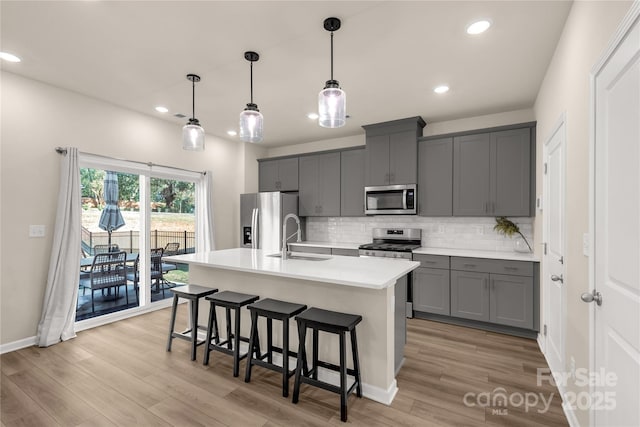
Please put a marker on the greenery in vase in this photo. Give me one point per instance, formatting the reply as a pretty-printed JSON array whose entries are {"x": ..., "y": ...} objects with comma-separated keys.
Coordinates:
[{"x": 509, "y": 228}]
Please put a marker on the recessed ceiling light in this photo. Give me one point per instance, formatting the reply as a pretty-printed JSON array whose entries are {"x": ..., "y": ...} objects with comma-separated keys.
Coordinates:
[
  {"x": 9, "y": 57},
  {"x": 161, "y": 109},
  {"x": 232, "y": 133},
  {"x": 478, "y": 27},
  {"x": 441, "y": 89},
  {"x": 313, "y": 116}
]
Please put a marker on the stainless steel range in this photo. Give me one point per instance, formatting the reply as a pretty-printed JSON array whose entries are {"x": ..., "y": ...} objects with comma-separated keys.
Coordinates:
[{"x": 392, "y": 243}]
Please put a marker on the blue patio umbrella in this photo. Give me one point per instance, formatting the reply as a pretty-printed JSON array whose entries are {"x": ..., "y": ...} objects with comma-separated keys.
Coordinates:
[{"x": 111, "y": 218}]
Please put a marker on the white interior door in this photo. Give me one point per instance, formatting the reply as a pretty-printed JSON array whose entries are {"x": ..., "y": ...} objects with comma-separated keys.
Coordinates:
[
  {"x": 554, "y": 230},
  {"x": 615, "y": 270}
]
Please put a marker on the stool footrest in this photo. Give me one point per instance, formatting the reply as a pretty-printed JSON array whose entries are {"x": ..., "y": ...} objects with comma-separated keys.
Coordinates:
[
  {"x": 324, "y": 385},
  {"x": 333, "y": 367},
  {"x": 187, "y": 337},
  {"x": 273, "y": 367},
  {"x": 225, "y": 350}
]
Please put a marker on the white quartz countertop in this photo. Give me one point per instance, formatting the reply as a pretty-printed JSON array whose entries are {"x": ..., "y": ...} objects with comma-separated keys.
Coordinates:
[
  {"x": 372, "y": 273},
  {"x": 476, "y": 253},
  {"x": 333, "y": 245}
]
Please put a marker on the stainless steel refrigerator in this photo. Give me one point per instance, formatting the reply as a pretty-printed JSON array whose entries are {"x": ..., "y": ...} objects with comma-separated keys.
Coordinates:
[{"x": 261, "y": 216}]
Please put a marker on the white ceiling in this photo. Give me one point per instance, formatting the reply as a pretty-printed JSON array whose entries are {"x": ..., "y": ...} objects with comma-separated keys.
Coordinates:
[{"x": 388, "y": 57}]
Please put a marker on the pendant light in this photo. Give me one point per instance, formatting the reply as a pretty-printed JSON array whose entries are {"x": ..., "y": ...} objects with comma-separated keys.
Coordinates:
[
  {"x": 192, "y": 132},
  {"x": 251, "y": 122},
  {"x": 332, "y": 100}
]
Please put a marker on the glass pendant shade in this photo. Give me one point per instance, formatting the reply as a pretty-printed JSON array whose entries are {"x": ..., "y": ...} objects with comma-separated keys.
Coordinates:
[
  {"x": 332, "y": 106},
  {"x": 251, "y": 124},
  {"x": 193, "y": 136}
]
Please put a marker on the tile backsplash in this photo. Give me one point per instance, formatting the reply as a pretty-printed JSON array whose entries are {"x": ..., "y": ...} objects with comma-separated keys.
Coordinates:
[{"x": 441, "y": 232}]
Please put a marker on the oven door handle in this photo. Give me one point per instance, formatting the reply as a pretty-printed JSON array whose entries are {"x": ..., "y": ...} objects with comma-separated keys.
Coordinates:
[{"x": 404, "y": 199}]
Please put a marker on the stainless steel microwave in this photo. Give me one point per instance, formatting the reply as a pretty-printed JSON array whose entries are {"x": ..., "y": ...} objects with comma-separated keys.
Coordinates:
[{"x": 390, "y": 200}]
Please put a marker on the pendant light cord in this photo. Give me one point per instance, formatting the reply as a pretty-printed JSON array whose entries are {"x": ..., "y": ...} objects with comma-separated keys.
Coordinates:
[
  {"x": 331, "y": 55},
  {"x": 251, "y": 68},
  {"x": 193, "y": 99}
]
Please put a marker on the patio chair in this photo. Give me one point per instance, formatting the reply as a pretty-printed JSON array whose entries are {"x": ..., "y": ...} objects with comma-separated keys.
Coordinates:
[
  {"x": 156, "y": 269},
  {"x": 170, "y": 249},
  {"x": 101, "y": 249},
  {"x": 108, "y": 271},
  {"x": 133, "y": 276}
]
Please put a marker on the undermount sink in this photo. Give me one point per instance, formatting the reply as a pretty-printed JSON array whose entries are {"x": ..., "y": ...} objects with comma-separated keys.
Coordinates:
[{"x": 301, "y": 257}]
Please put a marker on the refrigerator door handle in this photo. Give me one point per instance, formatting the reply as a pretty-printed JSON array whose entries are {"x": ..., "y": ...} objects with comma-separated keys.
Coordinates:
[{"x": 254, "y": 229}]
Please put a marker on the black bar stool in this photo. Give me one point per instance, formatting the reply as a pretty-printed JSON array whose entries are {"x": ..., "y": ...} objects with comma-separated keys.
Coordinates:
[
  {"x": 335, "y": 323},
  {"x": 193, "y": 293},
  {"x": 229, "y": 300},
  {"x": 279, "y": 310}
]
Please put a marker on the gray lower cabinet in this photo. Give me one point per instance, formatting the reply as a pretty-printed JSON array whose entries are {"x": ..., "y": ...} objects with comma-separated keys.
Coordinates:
[
  {"x": 430, "y": 286},
  {"x": 511, "y": 300},
  {"x": 435, "y": 177},
  {"x": 492, "y": 174},
  {"x": 480, "y": 291},
  {"x": 278, "y": 174},
  {"x": 319, "y": 189},
  {"x": 470, "y": 295},
  {"x": 352, "y": 182},
  {"x": 324, "y": 250},
  {"x": 400, "y": 322},
  {"x": 430, "y": 290}
]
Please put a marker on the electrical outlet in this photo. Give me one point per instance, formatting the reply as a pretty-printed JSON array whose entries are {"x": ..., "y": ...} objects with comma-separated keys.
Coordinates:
[
  {"x": 36, "y": 231},
  {"x": 441, "y": 229},
  {"x": 572, "y": 368},
  {"x": 480, "y": 230}
]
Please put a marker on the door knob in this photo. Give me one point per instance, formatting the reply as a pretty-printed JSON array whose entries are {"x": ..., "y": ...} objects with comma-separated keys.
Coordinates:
[
  {"x": 557, "y": 278},
  {"x": 592, "y": 296}
]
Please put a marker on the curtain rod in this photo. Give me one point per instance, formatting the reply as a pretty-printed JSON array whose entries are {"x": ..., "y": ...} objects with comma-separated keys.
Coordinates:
[{"x": 63, "y": 151}]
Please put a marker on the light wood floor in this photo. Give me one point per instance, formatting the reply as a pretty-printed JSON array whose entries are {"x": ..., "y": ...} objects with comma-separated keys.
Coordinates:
[{"x": 120, "y": 374}]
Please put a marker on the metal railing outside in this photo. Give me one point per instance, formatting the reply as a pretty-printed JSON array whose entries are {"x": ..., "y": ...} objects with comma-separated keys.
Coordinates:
[{"x": 128, "y": 240}]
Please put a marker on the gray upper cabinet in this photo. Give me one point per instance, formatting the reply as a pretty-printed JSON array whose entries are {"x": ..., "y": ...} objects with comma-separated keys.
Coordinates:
[
  {"x": 435, "y": 177},
  {"x": 352, "y": 182},
  {"x": 511, "y": 175},
  {"x": 391, "y": 152},
  {"x": 471, "y": 170},
  {"x": 278, "y": 174},
  {"x": 492, "y": 174},
  {"x": 319, "y": 191}
]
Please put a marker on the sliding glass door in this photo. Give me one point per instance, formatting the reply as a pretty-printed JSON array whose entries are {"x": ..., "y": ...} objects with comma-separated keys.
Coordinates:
[{"x": 141, "y": 214}]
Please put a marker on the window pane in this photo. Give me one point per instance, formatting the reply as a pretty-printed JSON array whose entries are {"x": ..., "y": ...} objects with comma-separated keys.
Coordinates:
[
  {"x": 110, "y": 223},
  {"x": 172, "y": 229}
]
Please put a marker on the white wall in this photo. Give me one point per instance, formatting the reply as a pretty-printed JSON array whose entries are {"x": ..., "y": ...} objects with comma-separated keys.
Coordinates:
[
  {"x": 35, "y": 119},
  {"x": 565, "y": 89}
]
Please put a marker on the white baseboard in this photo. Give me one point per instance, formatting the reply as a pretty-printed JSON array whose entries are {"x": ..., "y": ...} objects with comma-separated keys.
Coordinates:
[
  {"x": 17, "y": 345},
  {"x": 91, "y": 323}
]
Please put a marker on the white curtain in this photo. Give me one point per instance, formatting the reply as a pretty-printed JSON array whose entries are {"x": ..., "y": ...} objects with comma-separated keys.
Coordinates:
[
  {"x": 204, "y": 214},
  {"x": 59, "y": 306}
]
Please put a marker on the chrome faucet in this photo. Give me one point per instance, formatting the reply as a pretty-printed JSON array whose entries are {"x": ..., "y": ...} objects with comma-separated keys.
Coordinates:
[{"x": 285, "y": 250}]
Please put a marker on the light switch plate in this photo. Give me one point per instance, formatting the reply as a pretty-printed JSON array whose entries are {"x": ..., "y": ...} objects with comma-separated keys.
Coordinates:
[{"x": 36, "y": 231}]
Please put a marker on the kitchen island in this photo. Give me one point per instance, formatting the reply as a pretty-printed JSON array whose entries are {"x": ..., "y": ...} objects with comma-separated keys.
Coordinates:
[{"x": 374, "y": 288}]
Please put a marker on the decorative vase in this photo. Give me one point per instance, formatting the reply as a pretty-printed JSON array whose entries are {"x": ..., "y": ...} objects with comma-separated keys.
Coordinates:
[{"x": 519, "y": 245}]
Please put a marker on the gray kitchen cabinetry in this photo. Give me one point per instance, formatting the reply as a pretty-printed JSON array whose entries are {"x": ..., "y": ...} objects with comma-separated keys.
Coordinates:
[
  {"x": 352, "y": 182},
  {"x": 391, "y": 152},
  {"x": 278, "y": 174},
  {"x": 435, "y": 177},
  {"x": 492, "y": 173},
  {"x": 481, "y": 291},
  {"x": 430, "y": 286},
  {"x": 319, "y": 190},
  {"x": 325, "y": 250}
]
